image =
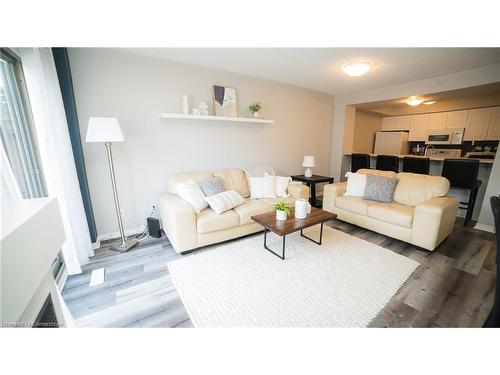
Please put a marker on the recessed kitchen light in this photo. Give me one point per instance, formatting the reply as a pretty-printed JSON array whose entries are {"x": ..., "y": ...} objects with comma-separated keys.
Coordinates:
[
  {"x": 429, "y": 102},
  {"x": 356, "y": 69},
  {"x": 414, "y": 101}
]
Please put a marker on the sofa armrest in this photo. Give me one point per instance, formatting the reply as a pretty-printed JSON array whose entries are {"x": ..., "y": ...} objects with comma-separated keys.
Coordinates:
[
  {"x": 330, "y": 193},
  {"x": 179, "y": 222},
  {"x": 298, "y": 191},
  {"x": 433, "y": 221}
]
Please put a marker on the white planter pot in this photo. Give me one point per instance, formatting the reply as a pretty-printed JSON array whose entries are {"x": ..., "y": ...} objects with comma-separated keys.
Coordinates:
[
  {"x": 281, "y": 215},
  {"x": 256, "y": 114}
]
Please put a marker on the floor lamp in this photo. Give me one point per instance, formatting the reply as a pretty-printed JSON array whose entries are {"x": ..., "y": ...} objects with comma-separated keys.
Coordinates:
[{"x": 107, "y": 130}]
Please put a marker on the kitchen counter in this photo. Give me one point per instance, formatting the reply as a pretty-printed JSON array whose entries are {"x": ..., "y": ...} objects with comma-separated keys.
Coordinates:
[{"x": 433, "y": 158}]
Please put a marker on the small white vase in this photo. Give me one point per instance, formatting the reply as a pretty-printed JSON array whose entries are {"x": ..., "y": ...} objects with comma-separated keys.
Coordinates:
[
  {"x": 185, "y": 104},
  {"x": 301, "y": 208},
  {"x": 255, "y": 114},
  {"x": 281, "y": 215}
]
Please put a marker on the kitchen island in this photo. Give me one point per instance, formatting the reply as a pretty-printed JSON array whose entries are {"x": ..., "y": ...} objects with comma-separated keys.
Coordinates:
[{"x": 435, "y": 168}]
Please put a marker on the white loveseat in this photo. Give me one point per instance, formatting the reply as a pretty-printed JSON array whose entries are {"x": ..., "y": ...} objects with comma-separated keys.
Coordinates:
[
  {"x": 421, "y": 213},
  {"x": 187, "y": 230}
]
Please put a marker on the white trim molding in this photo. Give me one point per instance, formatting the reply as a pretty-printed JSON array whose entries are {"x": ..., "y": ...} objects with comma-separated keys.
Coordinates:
[{"x": 484, "y": 227}]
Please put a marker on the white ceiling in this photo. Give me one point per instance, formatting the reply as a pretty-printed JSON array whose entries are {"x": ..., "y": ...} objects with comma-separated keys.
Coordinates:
[{"x": 320, "y": 68}]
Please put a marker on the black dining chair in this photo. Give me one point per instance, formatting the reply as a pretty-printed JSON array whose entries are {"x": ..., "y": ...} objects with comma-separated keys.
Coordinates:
[
  {"x": 493, "y": 320},
  {"x": 416, "y": 165},
  {"x": 462, "y": 174},
  {"x": 388, "y": 163},
  {"x": 360, "y": 161}
]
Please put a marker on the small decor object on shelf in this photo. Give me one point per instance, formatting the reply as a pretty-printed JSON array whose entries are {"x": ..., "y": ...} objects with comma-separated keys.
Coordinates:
[
  {"x": 255, "y": 108},
  {"x": 301, "y": 209},
  {"x": 185, "y": 105},
  {"x": 308, "y": 162},
  {"x": 196, "y": 111},
  {"x": 225, "y": 101},
  {"x": 282, "y": 210},
  {"x": 203, "y": 107}
]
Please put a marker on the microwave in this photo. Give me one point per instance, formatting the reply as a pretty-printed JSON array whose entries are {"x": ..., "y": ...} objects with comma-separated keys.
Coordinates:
[{"x": 445, "y": 137}]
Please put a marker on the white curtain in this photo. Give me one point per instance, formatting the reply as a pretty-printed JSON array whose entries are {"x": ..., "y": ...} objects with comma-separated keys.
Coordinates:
[{"x": 56, "y": 153}]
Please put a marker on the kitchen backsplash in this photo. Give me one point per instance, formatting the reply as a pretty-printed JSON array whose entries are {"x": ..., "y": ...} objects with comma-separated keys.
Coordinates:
[{"x": 467, "y": 146}]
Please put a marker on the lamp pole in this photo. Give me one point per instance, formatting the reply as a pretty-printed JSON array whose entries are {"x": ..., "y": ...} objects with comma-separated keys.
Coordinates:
[{"x": 125, "y": 244}]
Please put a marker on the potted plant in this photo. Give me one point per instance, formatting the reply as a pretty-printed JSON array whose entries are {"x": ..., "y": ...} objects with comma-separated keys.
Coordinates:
[
  {"x": 282, "y": 210},
  {"x": 255, "y": 108}
]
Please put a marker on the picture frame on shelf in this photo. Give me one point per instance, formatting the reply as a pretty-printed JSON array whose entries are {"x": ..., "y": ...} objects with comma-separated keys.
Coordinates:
[{"x": 225, "y": 101}]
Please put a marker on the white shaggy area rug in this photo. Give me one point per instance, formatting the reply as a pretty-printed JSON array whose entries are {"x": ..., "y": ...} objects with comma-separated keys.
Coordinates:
[{"x": 345, "y": 282}]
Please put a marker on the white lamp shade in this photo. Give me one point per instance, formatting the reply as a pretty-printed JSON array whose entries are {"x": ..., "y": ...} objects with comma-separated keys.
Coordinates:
[
  {"x": 308, "y": 161},
  {"x": 104, "y": 129}
]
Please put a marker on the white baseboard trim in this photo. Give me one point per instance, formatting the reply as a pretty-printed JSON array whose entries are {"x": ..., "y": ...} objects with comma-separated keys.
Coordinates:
[
  {"x": 484, "y": 227},
  {"x": 128, "y": 232}
]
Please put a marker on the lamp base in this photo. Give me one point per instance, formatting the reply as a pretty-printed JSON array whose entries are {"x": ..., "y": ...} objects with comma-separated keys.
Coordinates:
[
  {"x": 308, "y": 172},
  {"x": 123, "y": 248}
]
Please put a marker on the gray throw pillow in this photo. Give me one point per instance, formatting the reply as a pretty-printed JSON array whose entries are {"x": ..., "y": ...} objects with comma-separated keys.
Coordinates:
[
  {"x": 212, "y": 187},
  {"x": 379, "y": 188}
]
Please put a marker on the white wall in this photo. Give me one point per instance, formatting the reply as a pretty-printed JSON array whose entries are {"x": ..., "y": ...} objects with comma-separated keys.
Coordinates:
[
  {"x": 137, "y": 89},
  {"x": 366, "y": 126}
]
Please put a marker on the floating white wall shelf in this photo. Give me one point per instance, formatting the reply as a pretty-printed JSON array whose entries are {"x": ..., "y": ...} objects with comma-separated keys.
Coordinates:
[{"x": 180, "y": 116}]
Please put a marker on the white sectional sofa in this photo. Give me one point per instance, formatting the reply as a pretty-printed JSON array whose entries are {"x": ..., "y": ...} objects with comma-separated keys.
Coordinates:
[
  {"x": 187, "y": 230},
  {"x": 421, "y": 213}
]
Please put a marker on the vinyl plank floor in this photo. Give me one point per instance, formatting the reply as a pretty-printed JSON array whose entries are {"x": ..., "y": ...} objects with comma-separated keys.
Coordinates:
[{"x": 454, "y": 286}]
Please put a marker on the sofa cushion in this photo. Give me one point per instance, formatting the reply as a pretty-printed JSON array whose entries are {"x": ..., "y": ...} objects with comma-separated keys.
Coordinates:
[
  {"x": 379, "y": 188},
  {"x": 191, "y": 193},
  {"x": 234, "y": 179},
  {"x": 393, "y": 213},
  {"x": 209, "y": 221},
  {"x": 212, "y": 186},
  {"x": 249, "y": 208},
  {"x": 353, "y": 204},
  {"x": 377, "y": 172},
  {"x": 181, "y": 177},
  {"x": 290, "y": 200},
  {"x": 225, "y": 201},
  {"x": 413, "y": 188}
]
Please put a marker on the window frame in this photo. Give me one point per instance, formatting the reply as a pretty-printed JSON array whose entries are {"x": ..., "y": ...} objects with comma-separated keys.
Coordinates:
[{"x": 36, "y": 184}]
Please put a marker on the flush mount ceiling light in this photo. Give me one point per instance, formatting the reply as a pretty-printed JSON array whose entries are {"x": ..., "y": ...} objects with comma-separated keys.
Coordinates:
[
  {"x": 429, "y": 102},
  {"x": 356, "y": 69},
  {"x": 414, "y": 101}
]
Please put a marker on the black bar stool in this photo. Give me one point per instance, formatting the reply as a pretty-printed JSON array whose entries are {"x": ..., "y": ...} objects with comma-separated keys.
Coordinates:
[
  {"x": 462, "y": 174},
  {"x": 388, "y": 163},
  {"x": 416, "y": 165},
  {"x": 360, "y": 161},
  {"x": 493, "y": 320}
]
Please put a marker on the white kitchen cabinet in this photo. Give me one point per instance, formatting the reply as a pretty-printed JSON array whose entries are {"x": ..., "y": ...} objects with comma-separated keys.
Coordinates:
[
  {"x": 477, "y": 125},
  {"x": 494, "y": 127},
  {"x": 457, "y": 119},
  {"x": 418, "y": 127},
  {"x": 389, "y": 123},
  {"x": 437, "y": 121},
  {"x": 403, "y": 122}
]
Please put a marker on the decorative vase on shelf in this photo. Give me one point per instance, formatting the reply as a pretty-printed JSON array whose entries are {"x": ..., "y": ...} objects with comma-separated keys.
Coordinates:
[
  {"x": 203, "y": 107},
  {"x": 255, "y": 114},
  {"x": 281, "y": 215},
  {"x": 185, "y": 105}
]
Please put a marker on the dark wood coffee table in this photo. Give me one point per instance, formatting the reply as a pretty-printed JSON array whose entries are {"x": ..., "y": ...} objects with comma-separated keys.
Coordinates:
[{"x": 291, "y": 225}]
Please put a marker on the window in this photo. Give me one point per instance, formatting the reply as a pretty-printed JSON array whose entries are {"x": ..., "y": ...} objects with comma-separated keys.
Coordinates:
[{"x": 16, "y": 128}]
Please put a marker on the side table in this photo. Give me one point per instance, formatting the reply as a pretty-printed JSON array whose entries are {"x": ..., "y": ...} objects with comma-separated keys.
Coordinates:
[{"x": 311, "y": 182}]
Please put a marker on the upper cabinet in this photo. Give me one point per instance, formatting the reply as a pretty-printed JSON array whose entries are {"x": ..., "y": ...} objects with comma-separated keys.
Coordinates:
[
  {"x": 418, "y": 127},
  {"x": 457, "y": 119},
  {"x": 477, "y": 125},
  {"x": 494, "y": 127},
  {"x": 396, "y": 123},
  {"x": 437, "y": 121},
  {"x": 389, "y": 123}
]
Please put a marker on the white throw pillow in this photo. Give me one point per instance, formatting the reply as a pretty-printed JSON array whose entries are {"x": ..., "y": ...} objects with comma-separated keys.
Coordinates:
[
  {"x": 224, "y": 201},
  {"x": 356, "y": 183},
  {"x": 281, "y": 185},
  {"x": 190, "y": 191},
  {"x": 262, "y": 187}
]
